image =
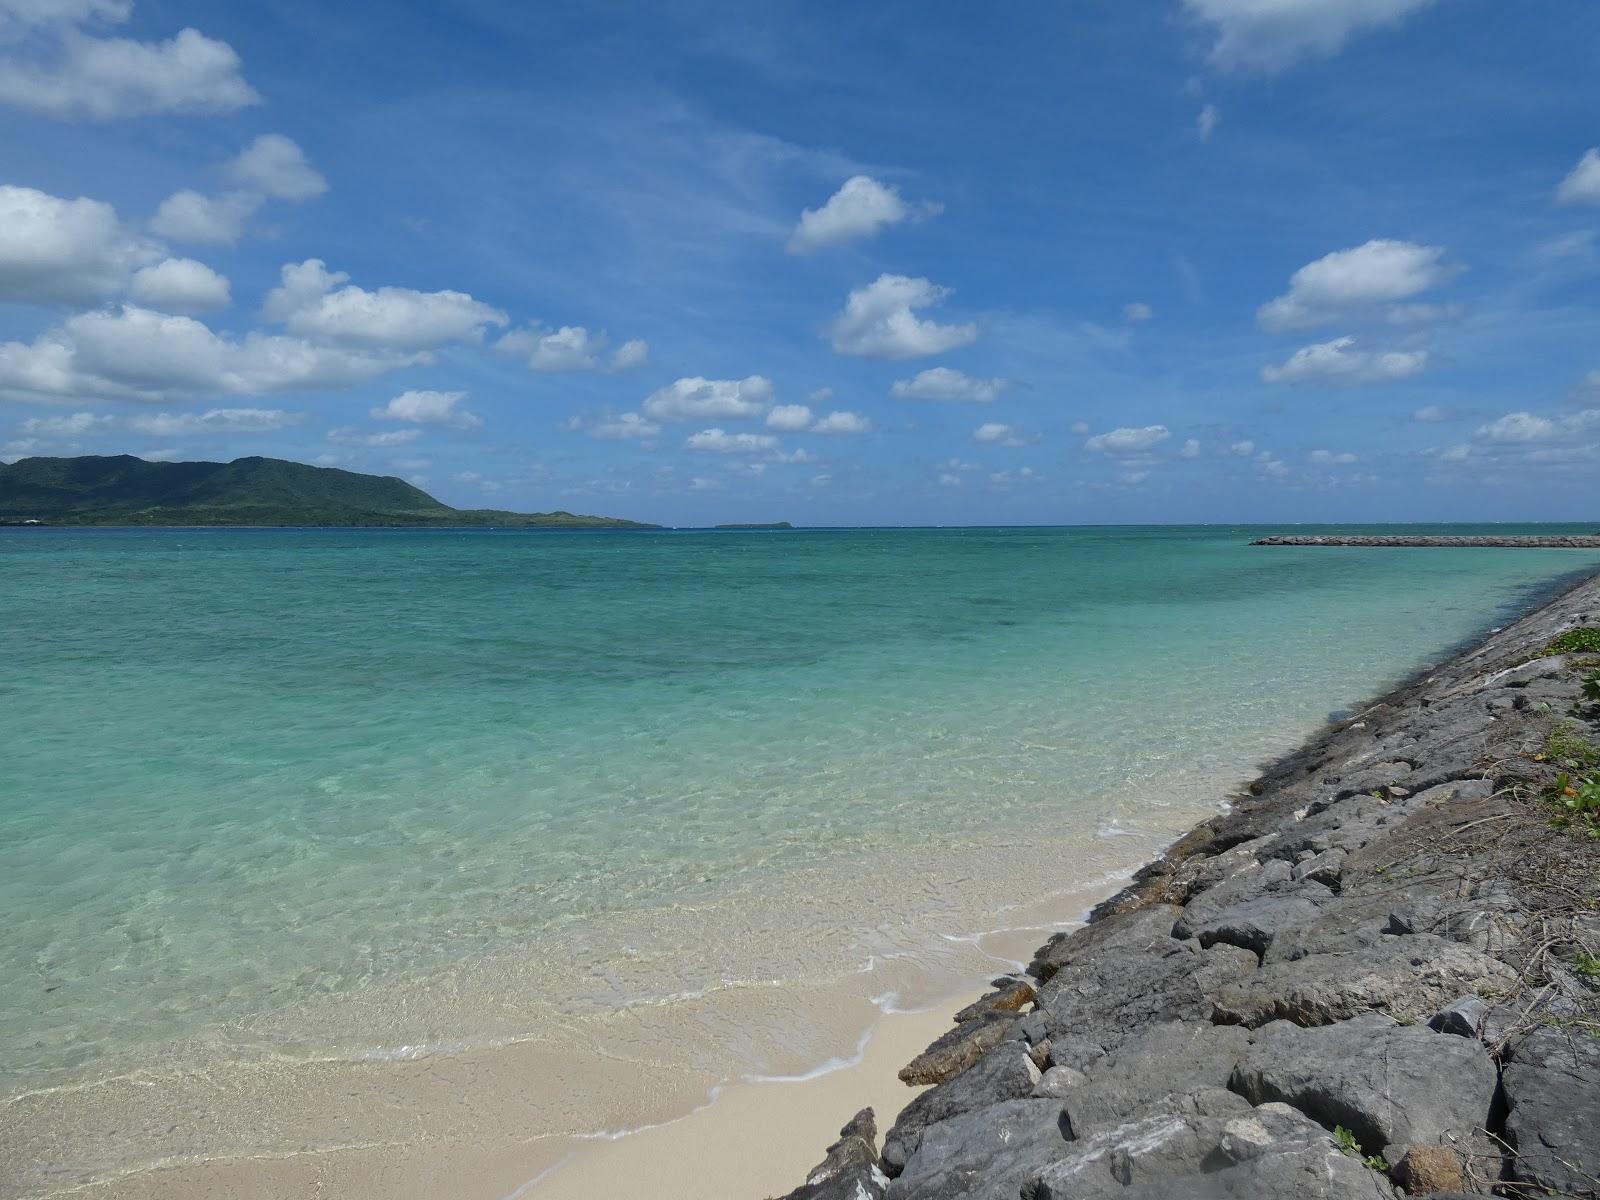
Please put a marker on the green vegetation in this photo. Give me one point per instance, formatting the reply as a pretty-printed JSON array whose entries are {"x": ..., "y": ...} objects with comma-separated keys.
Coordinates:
[
  {"x": 1347, "y": 1143},
  {"x": 759, "y": 526},
  {"x": 123, "y": 490},
  {"x": 1591, "y": 687},
  {"x": 1586, "y": 964},
  {"x": 1566, "y": 748},
  {"x": 1583, "y": 640}
]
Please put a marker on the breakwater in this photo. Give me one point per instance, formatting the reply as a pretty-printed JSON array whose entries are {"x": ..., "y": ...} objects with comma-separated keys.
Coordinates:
[
  {"x": 1375, "y": 974},
  {"x": 1510, "y": 542}
]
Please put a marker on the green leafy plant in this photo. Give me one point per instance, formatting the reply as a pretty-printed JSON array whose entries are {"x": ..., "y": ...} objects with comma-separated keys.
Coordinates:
[
  {"x": 1586, "y": 964},
  {"x": 1583, "y": 640},
  {"x": 1580, "y": 798},
  {"x": 1348, "y": 1143},
  {"x": 1566, "y": 748},
  {"x": 1591, "y": 688}
]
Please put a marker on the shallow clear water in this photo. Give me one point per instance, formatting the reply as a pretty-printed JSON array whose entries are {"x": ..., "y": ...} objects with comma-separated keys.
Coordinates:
[{"x": 244, "y": 770}]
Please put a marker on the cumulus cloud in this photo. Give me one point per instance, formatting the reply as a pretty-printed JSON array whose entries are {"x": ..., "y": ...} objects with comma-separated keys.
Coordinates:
[
  {"x": 64, "y": 251},
  {"x": 842, "y": 422},
  {"x": 1137, "y": 311},
  {"x": 628, "y": 426},
  {"x": 1328, "y": 458},
  {"x": 322, "y": 304},
  {"x": 946, "y": 383},
  {"x": 1354, "y": 282},
  {"x": 428, "y": 408},
  {"x": 275, "y": 166},
  {"x": 995, "y": 433},
  {"x": 1191, "y": 449},
  {"x": 1269, "y": 35},
  {"x": 75, "y": 425},
  {"x": 188, "y": 216},
  {"x": 1243, "y": 449},
  {"x": 571, "y": 348},
  {"x": 1429, "y": 413},
  {"x": 1569, "y": 438},
  {"x": 1208, "y": 120},
  {"x": 1127, "y": 442},
  {"x": 101, "y": 78},
  {"x": 216, "y": 420},
  {"x": 1582, "y": 185},
  {"x": 354, "y": 437},
  {"x": 790, "y": 418},
  {"x": 137, "y": 354},
  {"x": 697, "y": 399},
  {"x": 879, "y": 321},
  {"x": 180, "y": 285},
  {"x": 718, "y": 441},
  {"x": 1343, "y": 361},
  {"x": 18, "y": 17},
  {"x": 860, "y": 208}
]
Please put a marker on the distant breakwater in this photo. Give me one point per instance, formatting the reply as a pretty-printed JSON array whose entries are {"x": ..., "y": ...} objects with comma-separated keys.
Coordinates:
[
  {"x": 1539, "y": 542},
  {"x": 1378, "y": 970}
]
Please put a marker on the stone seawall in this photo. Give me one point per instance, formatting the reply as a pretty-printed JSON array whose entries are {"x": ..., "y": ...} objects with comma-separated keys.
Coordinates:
[
  {"x": 1377, "y": 974},
  {"x": 1540, "y": 542}
]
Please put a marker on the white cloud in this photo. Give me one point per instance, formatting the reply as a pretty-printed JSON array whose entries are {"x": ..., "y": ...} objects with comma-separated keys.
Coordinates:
[
  {"x": 1020, "y": 475},
  {"x": 170, "y": 454},
  {"x": 790, "y": 418},
  {"x": 354, "y": 437},
  {"x": 188, "y": 216},
  {"x": 216, "y": 420},
  {"x": 1208, "y": 120},
  {"x": 137, "y": 354},
  {"x": 1191, "y": 449},
  {"x": 1243, "y": 449},
  {"x": 1125, "y": 441},
  {"x": 946, "y": 383},
  {"x": 628, "y": 426},
  {"x": 1343, "y": 361},
  {"x": 75, "y": 425},
  {"x": 634, "y": 352},
  {"x": 1354, "y": 282},
  {"x": 860, "y": 208},
  {"x": 318, "y": 303},
  {"x": 695, "y": 399},
  {"x": 995, "y": 433},
  {"x": 1137, "y": 311},
  {"x": 275, "y": 166},
  {"x": 1269, "y": 35},
  {"x": 1566, "y": 439},
  {"x": 1582, "y": 185},
  {"x": 1422, "y": 314},
  {"x": 878, "y": 321},
  {"x": 842, "y": 422},
  {"x": 1519, "y": 427},
  {"x": 949, "y": 480},
  {"x": 180, "y": 285},
  {"x": 67, "y": 251},
  {"x": 106, "y": 78},
  {"x": 1328, "y": 458},
  {"x": 428, "y": 408},
  {"x": 19, "y": 16},
  {"x": 1429, "y": 413},
  {"x": 1080, "y": 427},
  {"x": 719, "y": 441}
]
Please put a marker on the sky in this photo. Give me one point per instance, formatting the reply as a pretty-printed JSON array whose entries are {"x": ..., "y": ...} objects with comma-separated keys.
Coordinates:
[{"x": 1043, "y": 262}]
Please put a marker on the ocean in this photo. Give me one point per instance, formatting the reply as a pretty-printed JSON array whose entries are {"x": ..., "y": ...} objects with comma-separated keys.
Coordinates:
[{"x": 283, "y": 800}]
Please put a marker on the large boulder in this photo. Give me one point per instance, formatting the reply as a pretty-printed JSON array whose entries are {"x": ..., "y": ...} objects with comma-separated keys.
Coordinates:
[
  {"x": 958, "y": 1049},
  {"x": 986, "y": 1154},
  {"x": 1209, "y": 1145},
  {"x": 1120, "y": 931},
  {"x": 1410, "y": 976},
  {"x": 850, "y": 1171},
  {"x": 1552, "y": 1091},
  {"x": 1004, "y": 1073},
  {"x": 1393, "y": 1086},
  {"x": 1171, "y": 1057}
]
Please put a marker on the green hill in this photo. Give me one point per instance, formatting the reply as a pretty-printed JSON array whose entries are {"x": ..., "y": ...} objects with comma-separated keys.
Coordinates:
[{"x": 123, "y": 490}]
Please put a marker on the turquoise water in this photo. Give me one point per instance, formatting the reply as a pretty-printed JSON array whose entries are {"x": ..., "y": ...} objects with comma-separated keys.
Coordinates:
[{"x": 246, "y": 770}]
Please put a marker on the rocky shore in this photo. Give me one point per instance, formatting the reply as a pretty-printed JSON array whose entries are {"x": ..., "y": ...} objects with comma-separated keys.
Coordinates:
[
  {"x": 1539, "y": 542},
  {"x": 1378, "y": 973}
]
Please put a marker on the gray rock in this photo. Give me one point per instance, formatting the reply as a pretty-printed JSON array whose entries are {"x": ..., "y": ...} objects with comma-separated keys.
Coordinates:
[
  {"x": 1411, "y": 977},
  {"x": 850, "y": 1171},
  {"x": 1123, "y": 931},
  {"x": 1251, "y": 924},
  {"x": 1004, "y": 1073},
  {"x": 1011, "y": 995},
  {"x": 1463, "y": 1017},
  {"x": 1057, "y": 1081},
  {"x": 1173, "y": 1057},
  {"x": 1109, "y": 997},
  {"x": 1209, "y": 1145},
  {"x": 1326, "y": 868},
  {"x": 1552, "y": 1091},
  {"x": 1393, "y": 1086},
  {"x": 983, "y": 1155},
  {"x": 957, "y": 1050}
]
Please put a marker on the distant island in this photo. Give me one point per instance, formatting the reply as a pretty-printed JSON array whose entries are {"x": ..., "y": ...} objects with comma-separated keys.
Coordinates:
[
  {"x": 124, "y": 490},
  {"x": 747, "y": 528}
]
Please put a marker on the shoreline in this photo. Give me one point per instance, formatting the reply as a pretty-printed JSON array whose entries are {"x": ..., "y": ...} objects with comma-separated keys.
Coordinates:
[
  {"x": 768, "y": 1101},
  {"x": 991, "y": 1063}
]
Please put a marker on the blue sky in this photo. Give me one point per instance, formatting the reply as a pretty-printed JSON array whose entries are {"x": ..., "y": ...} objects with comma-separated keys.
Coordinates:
[{"x": 1187, "y": 260}]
